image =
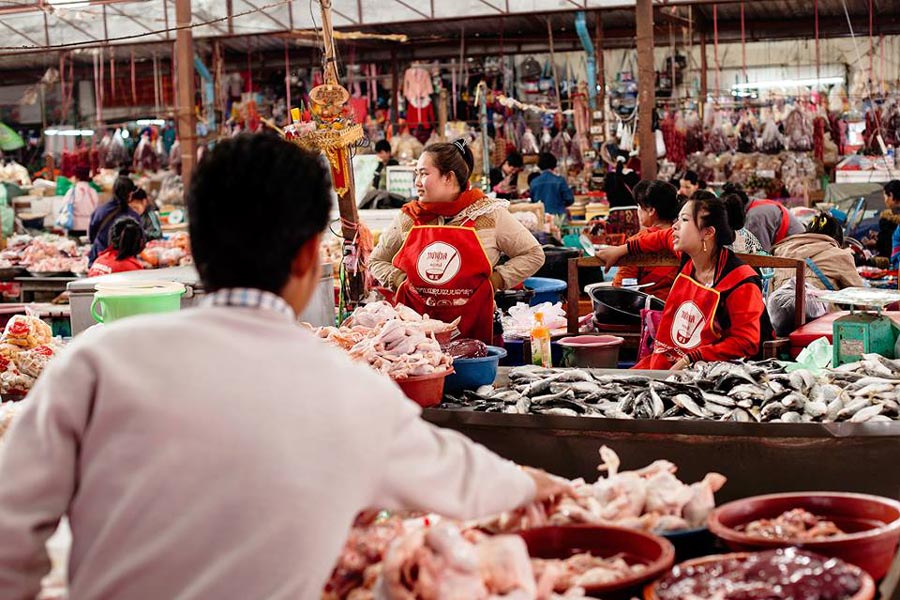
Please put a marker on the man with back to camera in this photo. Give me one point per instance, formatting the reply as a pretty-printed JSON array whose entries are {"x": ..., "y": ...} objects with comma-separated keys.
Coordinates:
[{"x": 236, "y": 469}]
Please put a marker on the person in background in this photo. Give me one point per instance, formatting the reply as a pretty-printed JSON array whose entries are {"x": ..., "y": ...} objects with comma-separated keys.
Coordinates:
[
  {"x": 126, "y": 241},
  {"x": 744, "y": 241},
  {"x": 550, "y": 188},
  {"x": 657, "y": 209},
  {"x": 504, "y": 179},
  {"x": 715, "y": 309},
  {"x": 164, "y": 485},
  {"x": 123, "y": 204},
  {"x": 689, "y": 184},
  {"x": 442, "y": 252},
  {"x": 383, "y": 151},
  {"x": 768, "y": 220},
  {"x": 619, "y": 185},
  {"x": 84, "y": 201},
  {"x": 150, "y": 216},
  {"x": 889, "y": 220},
  {"x": 829, "y": 266}
]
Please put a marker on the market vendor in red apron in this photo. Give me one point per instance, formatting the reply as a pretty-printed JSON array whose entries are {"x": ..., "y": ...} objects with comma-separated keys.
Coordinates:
[
  {"x": 715, "y": 310},
  {"x": 442, "y": 253}
]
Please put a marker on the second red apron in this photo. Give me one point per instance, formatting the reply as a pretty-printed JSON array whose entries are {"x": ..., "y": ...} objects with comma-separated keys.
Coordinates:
[
  {"x": 448, "y": 275},
  {"x": 692, "y": 323}
]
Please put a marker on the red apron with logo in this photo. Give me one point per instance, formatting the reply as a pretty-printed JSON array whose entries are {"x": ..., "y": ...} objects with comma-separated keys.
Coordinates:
[
  {"x": 448, "y": 275},
  {"x": 689, "y": 319},
  {"x": 785, "y": 218}
]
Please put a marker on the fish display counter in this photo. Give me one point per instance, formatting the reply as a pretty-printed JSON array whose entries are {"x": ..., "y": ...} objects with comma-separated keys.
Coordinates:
[{"x": 838, "y": 430}]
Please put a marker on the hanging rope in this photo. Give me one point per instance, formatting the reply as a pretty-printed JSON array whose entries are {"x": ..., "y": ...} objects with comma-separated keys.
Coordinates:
[
  {"x": 133, "y": 81},
  {"x": 62, "y": 86},
  {"x": 249, "y": 66},
  {"x": 287, "y": 79},
  {"x": 818, "y": 56},
  {"x": 716, "y": 46},
  {"x": 744, "y": 43},
  {"x": 871, "y": 42},
  {"x": 156, "y": 82},
  {"x": 112, "y": 74}
]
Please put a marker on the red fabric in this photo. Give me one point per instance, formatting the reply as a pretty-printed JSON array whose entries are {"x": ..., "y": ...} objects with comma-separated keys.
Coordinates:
[
  {"x": 448, "y": 276},
  {"x": 360, "y": 109},
  {"x": 689, "y": 326},
  {"x": 419, "y": 116},
  {"x": 426, "y": 212},
  {"x": 785, "y": 218},
  {"x": 107, "y": 263},
  {"x": 662, "y": 278}
]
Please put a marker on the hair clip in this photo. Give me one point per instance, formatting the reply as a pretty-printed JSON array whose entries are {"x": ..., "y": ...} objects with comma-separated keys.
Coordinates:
[{"x": 460, "y": 145}]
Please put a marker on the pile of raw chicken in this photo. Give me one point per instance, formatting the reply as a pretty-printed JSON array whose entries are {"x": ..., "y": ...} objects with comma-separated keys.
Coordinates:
[
  {"x": 423, "y": 559},
  {"x": 44, "y": 254},
  {"x": 394, "y": 340},
  {"x": 650, "y": 499}
]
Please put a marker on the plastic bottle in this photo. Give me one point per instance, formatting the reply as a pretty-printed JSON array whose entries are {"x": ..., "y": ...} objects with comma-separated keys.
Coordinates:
[{"x": 540, "y": 342}]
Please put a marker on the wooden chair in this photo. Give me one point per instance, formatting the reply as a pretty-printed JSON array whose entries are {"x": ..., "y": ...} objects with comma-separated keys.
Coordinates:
[{"x": 770, "y": 349}]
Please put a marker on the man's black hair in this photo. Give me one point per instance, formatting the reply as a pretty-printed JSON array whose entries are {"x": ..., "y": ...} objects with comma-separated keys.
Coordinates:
[
  {"x": 382, "y": 146},
  {"x": 514, "y": 159},
  {"x": 546, "y": 161},
  {"x": 692, "y": 177},
  {"x": 259, "y": 186}
]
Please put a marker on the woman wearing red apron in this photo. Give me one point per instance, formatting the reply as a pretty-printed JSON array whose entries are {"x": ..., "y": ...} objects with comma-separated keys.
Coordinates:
[
  {"x": 441, "y": 253},
  {"x": 715, "y": 307}
]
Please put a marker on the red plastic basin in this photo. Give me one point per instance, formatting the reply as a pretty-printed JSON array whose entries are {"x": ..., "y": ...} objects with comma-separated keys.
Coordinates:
[
  {"x": 425, "y": 390},
  {"x": 872, "y": 524},
  {"x": 604, "y": 541}
]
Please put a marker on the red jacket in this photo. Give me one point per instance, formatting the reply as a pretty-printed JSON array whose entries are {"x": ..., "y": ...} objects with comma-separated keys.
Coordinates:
[
  {"x": 107, "y": 263},
  {"x": 739, "y": 318},
  {"x": 662, "y": 278}
]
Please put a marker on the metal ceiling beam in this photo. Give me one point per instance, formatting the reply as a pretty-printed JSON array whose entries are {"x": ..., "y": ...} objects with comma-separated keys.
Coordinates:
[
  {"x": 19, "y": 33},
  {"x": 265, "y": 14}
]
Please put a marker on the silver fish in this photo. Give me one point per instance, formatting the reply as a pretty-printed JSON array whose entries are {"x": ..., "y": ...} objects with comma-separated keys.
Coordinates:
[
  {"x": 559, "y": 412},
  {"x": 834, "y": 408},
  {"x": 656, "y": 403},
  {"x": 688, "y": 404},
  {"x": 523, "y": 406},
  {"x": 853, "y": 407},
  {"x": 867, "y": 413},
  {"x": 564, "y": 395},
  {"x": 791, "y": 417},
  {"x": 816, "y": 409},
  {"x": 872, "y": 389},
  {"x": 740, "y": 415},
  {"x": 713, "y": 398}
]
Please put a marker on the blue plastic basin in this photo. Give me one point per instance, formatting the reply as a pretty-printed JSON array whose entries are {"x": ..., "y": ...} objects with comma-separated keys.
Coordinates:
[
  {"x": 472, "y": 373},
  {"x": 545, "y": 289}
]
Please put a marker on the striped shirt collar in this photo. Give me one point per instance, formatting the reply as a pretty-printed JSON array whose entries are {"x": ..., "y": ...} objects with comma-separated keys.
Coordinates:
[{"x": 249, "y": 298}]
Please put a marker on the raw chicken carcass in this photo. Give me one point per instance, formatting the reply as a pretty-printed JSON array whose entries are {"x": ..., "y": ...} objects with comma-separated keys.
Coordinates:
[{"x": 702, "y": 501}]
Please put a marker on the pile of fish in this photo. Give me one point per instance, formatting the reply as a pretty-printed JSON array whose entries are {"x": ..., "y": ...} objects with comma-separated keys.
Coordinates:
[{"x": 867, "y": 391}]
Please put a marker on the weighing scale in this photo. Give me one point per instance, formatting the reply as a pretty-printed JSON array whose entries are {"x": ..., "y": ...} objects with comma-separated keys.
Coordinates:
[{"x": 865, "y": 330}]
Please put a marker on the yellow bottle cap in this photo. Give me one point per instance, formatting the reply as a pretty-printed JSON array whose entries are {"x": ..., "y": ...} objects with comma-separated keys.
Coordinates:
[{"x": 295, "y": 114}]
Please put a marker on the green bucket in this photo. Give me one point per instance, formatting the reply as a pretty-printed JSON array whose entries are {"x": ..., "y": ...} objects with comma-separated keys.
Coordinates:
[{"x": 119, "y": 300}]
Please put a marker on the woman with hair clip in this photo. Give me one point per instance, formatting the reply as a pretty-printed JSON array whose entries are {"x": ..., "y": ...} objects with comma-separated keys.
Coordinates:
[
  {"x": 126, "y": 241},
  {"x": 442, "y": 253},
  {"x": 715, "y": 307},
  {"x": 123, "y": 204}
]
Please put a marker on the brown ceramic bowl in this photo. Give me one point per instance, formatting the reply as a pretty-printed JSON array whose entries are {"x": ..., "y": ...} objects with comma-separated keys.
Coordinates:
[
  {"x": 872, "y": 524},
  {"x": 604, "y": 541},
  {"x": 866, "y": 592}
]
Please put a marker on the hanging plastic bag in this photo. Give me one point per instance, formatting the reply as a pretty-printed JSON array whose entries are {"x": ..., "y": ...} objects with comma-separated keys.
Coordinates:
[
  {"x": 660, "y": 144},
  {"x": 650, "y": 320},
  {"x": 65, "y": 218}
]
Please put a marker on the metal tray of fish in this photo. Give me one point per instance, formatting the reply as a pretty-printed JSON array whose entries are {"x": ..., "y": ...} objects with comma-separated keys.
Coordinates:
[{"x": 749, "y": 393}]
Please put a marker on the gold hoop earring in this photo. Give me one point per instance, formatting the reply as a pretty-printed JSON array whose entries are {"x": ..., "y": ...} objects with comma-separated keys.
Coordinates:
[{"x": 704, "y": 245}]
